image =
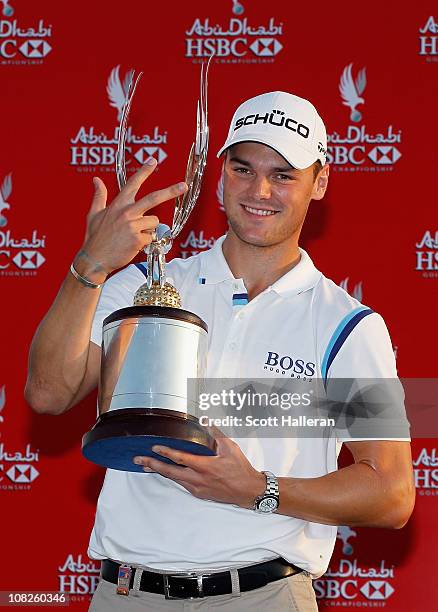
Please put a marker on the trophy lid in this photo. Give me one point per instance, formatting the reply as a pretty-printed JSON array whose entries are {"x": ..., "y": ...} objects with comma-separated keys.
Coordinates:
[{"x": 165, "y": 312}]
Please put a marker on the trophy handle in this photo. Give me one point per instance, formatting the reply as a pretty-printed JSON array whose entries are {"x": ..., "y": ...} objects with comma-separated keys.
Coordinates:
[
  {"x": 156, "y": 251},
  {"x": 121, "y": 144},
  {"x": 197, "y": 158}
]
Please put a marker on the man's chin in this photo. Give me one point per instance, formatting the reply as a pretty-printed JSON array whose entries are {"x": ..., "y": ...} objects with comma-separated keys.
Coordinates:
[
  {"x": 256, "y": 237},
  {"x": 257, "y": 241}
]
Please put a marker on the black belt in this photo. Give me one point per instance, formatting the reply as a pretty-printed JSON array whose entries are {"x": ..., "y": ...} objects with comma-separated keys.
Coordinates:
[{"x": 193, "y": 585}]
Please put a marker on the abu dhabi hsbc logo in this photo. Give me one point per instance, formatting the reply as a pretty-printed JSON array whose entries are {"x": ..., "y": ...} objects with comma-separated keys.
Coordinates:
[
  {"x": 22, "y": 45},
  {"x": 428, "y": 40},
  {"x": 354, "y": 149},
  {"x": 92, "y": 150},
  {"x": 352, "y": 584},
  {"x": 426, "y": 472},
  {"x": 18, "y": 467},
  {"x": 237, "y": 42},
  {"x": 426, "y": 254},
  {"x": 19, "y": 255},
  {"x": 78, "y": 577}
]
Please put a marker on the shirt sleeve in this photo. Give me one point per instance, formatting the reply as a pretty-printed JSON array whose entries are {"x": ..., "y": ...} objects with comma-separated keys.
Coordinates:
[
  {"x": 118, "y": 292},
  {"x": 363, "y": 387}
]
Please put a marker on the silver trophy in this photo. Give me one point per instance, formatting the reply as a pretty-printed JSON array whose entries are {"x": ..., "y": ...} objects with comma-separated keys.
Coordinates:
[{"x": 151, "y": 349}]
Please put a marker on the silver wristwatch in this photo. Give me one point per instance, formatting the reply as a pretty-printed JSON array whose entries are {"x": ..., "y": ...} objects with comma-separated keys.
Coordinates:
[{"x": 268, "y": 502}]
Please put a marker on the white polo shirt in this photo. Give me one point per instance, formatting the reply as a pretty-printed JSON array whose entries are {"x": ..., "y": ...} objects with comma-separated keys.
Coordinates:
[{"x": 315, "y": 329}]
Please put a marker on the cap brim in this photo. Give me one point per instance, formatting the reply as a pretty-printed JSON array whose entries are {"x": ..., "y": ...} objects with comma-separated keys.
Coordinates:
[{"x": 301, "y": 159}]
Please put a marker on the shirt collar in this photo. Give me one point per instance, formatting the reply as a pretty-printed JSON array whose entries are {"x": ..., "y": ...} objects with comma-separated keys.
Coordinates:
[
  {"x": 303, "y": 276},
  {"x": 214, "y": 267}
]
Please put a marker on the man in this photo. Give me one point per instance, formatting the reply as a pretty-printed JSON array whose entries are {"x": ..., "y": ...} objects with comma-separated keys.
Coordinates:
[{"x": 252, "y": 540}]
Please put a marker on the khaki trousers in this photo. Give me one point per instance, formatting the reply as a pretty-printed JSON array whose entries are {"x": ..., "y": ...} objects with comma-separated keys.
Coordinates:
[{"x": 293, "y": 594}]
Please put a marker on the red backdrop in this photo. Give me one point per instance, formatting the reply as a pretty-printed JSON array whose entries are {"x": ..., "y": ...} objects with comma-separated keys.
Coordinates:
[{"x": 375, "y": 231}]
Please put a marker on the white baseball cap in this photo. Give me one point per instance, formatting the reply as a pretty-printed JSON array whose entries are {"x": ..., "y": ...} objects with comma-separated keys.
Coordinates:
[{"x": 288, "y": 124}]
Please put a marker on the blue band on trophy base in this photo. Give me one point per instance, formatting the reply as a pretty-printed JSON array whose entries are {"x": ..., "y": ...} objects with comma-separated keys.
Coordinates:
[{"x": 117, "y": 453}]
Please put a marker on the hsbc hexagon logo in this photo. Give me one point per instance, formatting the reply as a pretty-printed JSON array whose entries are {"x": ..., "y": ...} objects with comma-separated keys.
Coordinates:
[
  {"x": 35, "y": 48},
  {"x": 384, "y": 155},
  {"x": 28, "y": 260},
  {"x": 22, "y": 473},
  {"x": 146, "y": 153},
  {"x": 266, "y": 47},
  {"x": 377, "y": 589}
]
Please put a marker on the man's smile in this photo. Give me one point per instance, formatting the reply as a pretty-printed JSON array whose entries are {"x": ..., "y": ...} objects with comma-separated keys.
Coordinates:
[{"x": 260, "y": 212}]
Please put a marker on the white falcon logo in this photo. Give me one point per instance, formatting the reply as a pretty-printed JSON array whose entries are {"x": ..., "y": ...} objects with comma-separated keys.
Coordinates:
[
  {"x": 344, "y": 533},
  {"x": 5, "y": 192},
  {"x": 351, "y": 91},
  {"x": 8, "y": 11},
  {"x": 118, "y": 92}
]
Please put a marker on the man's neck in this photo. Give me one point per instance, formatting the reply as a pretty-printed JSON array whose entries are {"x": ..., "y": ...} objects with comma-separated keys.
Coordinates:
[{"x": 259, "y": 267}]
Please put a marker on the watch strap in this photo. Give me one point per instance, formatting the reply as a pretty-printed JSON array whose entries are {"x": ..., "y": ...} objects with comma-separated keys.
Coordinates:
[
  {"x": 271, "y": 484},
  {"x": 272, "y": 490}
]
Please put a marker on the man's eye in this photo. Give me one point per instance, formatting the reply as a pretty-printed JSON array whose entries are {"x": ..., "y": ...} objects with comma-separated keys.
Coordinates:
[
  {"x": 241, "y": 170},
  {"x": 284, "y": 177}
]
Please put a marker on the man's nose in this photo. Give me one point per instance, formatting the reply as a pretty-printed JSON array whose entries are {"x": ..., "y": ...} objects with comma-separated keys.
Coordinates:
[{"x": 261, "y": 188}]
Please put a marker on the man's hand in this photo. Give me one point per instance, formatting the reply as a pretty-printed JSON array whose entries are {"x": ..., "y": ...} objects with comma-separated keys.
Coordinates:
[
  {"x": 227, "y": 477},
  {"x": 116, "y": 233},
  {"x": 376, "y": 491}
]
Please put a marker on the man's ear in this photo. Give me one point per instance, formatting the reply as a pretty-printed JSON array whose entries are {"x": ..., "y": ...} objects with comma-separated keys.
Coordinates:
[{"x": 320, "y": 184}]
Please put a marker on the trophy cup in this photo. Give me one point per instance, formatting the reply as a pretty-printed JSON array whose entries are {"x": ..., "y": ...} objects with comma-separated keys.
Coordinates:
[{"x": 150, "y": 349}]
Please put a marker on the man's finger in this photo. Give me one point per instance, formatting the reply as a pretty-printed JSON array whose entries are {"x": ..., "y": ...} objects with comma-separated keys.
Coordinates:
[
  {"x": 196, "y": 462},
  {"x": 134, "y": 183},
  {"x": 165, "y": 469},
  {"x": 100, "y": 194},
  {"x": 158, "y": 197},
  {"x": 148, "y": 224}
]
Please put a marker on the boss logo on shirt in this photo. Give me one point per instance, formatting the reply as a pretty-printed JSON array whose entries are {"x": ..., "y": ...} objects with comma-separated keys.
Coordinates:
[{"x": 287, "y": 365}]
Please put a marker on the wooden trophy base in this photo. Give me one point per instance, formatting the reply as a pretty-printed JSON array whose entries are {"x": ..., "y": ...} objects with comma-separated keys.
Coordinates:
[{"x": 120, "y": 435}]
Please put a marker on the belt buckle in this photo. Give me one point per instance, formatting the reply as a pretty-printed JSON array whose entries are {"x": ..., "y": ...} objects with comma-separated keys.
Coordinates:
[{"x": 190, "y": 576}]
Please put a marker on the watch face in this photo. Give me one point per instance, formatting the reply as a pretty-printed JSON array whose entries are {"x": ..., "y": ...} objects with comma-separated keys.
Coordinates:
[{"x": 268, "y": 504}]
